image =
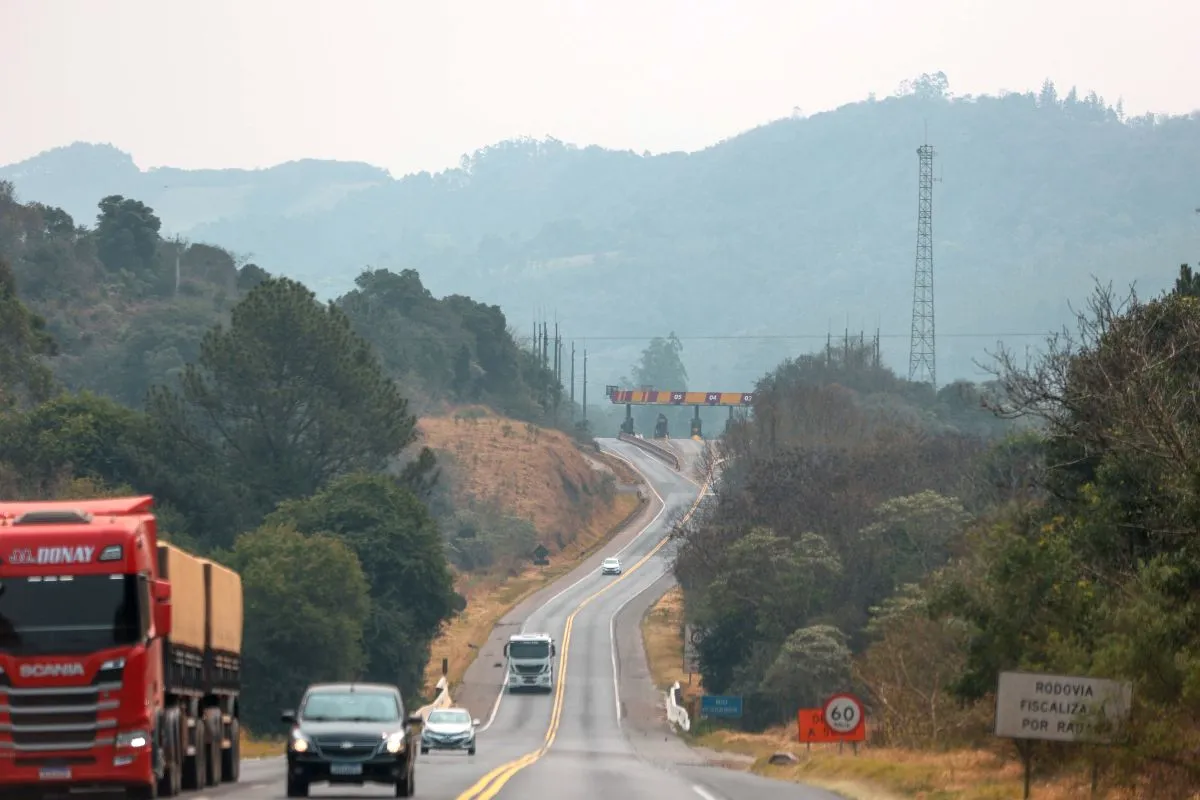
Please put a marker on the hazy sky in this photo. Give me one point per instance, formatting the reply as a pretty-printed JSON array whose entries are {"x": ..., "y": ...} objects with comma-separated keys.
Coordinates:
[{"x": 413, "y": 85}]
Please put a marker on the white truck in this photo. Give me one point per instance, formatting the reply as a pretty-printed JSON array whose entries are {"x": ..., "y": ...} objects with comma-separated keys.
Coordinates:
[{"x": 530, "y": 661}]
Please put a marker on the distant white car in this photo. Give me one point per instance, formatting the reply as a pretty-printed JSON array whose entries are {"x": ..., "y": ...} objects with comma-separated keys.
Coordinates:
[{"x": 611, "y": 566}]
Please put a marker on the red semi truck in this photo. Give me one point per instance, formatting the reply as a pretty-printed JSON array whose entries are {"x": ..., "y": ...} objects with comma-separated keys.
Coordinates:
[{"x": 120, "y": 656}]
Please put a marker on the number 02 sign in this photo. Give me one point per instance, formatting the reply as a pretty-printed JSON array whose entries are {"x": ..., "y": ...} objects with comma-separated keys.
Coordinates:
[{"x": 843, "y": 713}]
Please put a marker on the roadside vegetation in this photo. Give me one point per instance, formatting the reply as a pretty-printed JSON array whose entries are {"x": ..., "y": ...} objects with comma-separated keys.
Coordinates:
[
  {"x": 871, "y": 534},
  {"x": 280, "y": 435}
]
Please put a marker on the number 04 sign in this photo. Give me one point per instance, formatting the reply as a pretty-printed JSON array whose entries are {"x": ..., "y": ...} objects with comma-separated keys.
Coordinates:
[{"x": 843, "y": 713}]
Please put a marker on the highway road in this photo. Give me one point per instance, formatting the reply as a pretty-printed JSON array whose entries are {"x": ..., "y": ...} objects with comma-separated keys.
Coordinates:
[{"x": 580, "y": 742}]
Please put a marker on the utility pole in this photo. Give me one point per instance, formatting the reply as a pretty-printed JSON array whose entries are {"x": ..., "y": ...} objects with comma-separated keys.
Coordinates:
[
  {"x": 922, "y": 357},
  {"x": 178, "y": 255},
  {"x": 585, "y": 384},
  {"x": 572, "y": 376}
]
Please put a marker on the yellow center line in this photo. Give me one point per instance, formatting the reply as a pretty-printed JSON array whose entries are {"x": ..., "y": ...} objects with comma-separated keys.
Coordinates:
[{"x": 489, "y": 785}]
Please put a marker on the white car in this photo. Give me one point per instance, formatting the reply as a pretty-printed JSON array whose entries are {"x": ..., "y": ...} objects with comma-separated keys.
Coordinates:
[{"x": 611, "y": 566}]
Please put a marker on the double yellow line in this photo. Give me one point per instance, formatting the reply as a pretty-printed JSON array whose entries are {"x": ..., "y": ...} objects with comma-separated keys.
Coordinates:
[{"x": 489, "y": 785}]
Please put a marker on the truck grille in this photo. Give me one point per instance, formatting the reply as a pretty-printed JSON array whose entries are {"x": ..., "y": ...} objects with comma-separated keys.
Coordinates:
[
  {"x": 57, "y": 719},
  {"x": 361, "y": 747},
  {"x": 525, "y": 669}
]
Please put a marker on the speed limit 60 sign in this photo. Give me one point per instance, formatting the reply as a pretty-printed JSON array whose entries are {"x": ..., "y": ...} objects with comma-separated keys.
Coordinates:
[{"x": 843, "y": 713}]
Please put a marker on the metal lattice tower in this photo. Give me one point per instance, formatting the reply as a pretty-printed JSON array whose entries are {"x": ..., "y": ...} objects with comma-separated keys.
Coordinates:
[{"x": 922, "y": 354}]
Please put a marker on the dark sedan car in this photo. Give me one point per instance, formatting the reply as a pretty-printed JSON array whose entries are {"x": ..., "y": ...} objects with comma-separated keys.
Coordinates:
[{"x": 351, "y": 733}]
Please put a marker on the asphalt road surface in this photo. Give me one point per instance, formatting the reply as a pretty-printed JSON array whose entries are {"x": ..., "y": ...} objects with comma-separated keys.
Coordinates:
[{"x": 579, "y": 742}]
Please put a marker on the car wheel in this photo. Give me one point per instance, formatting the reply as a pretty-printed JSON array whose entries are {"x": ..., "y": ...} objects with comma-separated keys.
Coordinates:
[
  {"x": 406, "y": 785},
  {"x": 424, "y": 751},
  {"x": 471, "y": 750},
  {"x": 297, "y": 787}
]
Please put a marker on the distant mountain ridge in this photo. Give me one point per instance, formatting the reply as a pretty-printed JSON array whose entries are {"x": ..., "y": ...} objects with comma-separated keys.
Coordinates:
[
  {"x": 797, "y": 228},
  {"x": 76, "y": 176}
]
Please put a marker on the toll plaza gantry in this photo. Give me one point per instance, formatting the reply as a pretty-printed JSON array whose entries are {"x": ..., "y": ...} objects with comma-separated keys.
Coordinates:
[{"x": 654, "y": 397}]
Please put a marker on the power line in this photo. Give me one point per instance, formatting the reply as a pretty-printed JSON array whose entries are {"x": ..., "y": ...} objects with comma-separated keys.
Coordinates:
[{"x": 771, "y": 336}]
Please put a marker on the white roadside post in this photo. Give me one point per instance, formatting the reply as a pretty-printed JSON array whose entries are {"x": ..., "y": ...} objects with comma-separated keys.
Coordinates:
[{"x": 1060, "y": 708}]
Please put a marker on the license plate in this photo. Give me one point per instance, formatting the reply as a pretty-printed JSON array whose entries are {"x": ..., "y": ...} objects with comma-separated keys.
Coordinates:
[
  {"x": 54, "y": 773},
  {"x": 345, "y": 769}
]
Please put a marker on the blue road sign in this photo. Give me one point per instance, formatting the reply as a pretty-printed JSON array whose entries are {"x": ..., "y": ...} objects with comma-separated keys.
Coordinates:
[{"x": 721, "y": 705}]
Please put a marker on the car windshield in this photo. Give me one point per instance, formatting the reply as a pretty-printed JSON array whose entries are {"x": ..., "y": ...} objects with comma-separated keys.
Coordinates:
[
  {"x": 350, "y": 707},
  {"x": 448, "y": 717},
  {"x": 610, "y": 561},
  {"x": 70, "y": 613},
  {"x": 528, "y": 650}
]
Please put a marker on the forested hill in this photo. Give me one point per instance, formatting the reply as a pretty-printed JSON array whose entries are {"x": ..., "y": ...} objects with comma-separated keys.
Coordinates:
[
  {"x": 129, "y": 310},
  {"x": 797, "y": 227}
]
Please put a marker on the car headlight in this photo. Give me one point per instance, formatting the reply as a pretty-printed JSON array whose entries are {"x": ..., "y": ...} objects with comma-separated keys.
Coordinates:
[
  {"x": 396, "y": 742},
  {"x": 133, "y": 739},
  {"x": 299, "y": 742}
]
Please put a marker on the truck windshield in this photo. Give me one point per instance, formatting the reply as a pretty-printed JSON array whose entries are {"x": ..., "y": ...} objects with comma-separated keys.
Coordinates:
[
  {"x": 524, "y": 650},
  {"x": 68, "y": 614}
]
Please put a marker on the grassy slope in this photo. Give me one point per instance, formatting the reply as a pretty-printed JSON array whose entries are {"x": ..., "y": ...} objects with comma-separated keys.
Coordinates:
[{"x": 876, "y": 773}]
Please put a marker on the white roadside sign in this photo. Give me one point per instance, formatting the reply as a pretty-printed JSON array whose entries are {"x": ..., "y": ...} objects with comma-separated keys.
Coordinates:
[{"x": 1060, "y": 708}]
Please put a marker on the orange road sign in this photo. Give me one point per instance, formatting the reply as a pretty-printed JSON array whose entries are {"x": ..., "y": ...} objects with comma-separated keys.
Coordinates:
[
  {"x": 654, "y": 397},
  {"x": 813, "y": 730}
]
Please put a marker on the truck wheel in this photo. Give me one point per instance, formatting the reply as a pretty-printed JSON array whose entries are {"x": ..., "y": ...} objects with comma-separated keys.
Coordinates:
[
  {"x": 172, "y": 755},
  {"x": 231, "y": 759},
  {"x": 194, "y": 769},
  {"x": 212, "y": 720},
  {"x": 149, "y": 792},
  {"x": 296, "y": 787}
]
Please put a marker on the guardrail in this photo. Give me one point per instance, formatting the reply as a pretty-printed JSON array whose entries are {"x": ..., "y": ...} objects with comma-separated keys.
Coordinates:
[
  {"x": 653, "y": 449},
  {"x": 677, "y": 715},
  {"x": 441, "y": 701}
]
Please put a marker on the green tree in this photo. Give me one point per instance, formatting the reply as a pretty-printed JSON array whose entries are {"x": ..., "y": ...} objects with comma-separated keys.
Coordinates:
[
  {"x": 83, "y": 434},
  {"x": 813, "y": 664},
  {"x": 306, "y": 604},
  {"x": 288, "y": 397},
  {"x": 403, "y": 557},
  {"x": 24, "y": 343},
  {"x": 661, "y": 365},
  {"x": 127, "y": 235}
]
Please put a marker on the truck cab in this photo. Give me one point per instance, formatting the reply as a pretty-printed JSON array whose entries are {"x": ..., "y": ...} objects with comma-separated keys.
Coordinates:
[
  {"x": 82, "y": 618},
  {"x": 95, "y": 691},
  {"x": 530, "y": 661}
]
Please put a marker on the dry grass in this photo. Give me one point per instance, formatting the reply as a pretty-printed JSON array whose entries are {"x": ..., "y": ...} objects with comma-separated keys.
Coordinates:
[
  {"x": 875, "y": 773},
  {"x": 260, "y": 748},
  {"x": 662, "y": 634},
  {"x": 888, "y": 772},
  {"x": 533, "y": 473}
]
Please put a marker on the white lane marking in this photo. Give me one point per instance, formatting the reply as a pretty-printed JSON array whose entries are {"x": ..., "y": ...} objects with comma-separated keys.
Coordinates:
[
  {"x": 700, "y": 790},
  {"x": 612, "y": 639},
  {"x": 662, "y": 509}
]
